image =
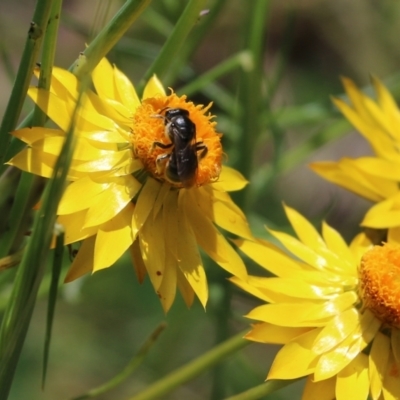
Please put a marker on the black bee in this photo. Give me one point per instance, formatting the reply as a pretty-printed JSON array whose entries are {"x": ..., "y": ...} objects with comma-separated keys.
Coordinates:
[{"x": 181, "y": 163}]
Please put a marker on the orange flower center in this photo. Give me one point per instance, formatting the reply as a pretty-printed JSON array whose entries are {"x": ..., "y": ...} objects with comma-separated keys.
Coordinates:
[
  {"x": 169, "y": 151},
  {"x": 380, "y": 282}
]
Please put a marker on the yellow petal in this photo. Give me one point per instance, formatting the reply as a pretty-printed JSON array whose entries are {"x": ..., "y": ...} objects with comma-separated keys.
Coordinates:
[
  {"x": 185, "y": 289},
  {"x": 125, "y": 90},
  {"x": 230, "y": 180},
  {"x": 53, "y": 106},
  {"x": 170, "y": 210},
  {"x": 189, "y": 260},
  {"x": 164, "y": 192},
  {"x": 391, "y": 387},
  {"x": 34, "y": 161},
  {"x": 303, "y": 313},
  {"x": 63, "y": 82},
  {"x": 345, "y": 173},
  {"x": 167, "y": 290},
  {"x": 83, "y": 262},
  {"x": 103, "y": 81},
  {"x": 385, "y": 214},
  {"x": 60, "y": 111},
  {"x": 269, "y": 257},
  {"x": 106, "y": 162},
  {"x": 212, "y": 241},
  {"x": 74, "y": 190},
  {"x": 110, "y": 202},
  {"x": 145, "y": 202},
  {"x": 221, "y": 214},
  {"x": 113, "y": 239},
  {"x": 336, "y": 331},
  {"x": 395, "y": 344},
  {"x": 153, "y": 88},
  {"x": 393, "y": 235},
  {"x": 303, "y": 252},
  {"x": 384, "y": 169},
  {"x": 337, "y": 245},
  {"x": 352, "y": 381},
  {"x": 109, "y": 108},
  {"x": 359, "y": 245},
  {"x": 330, "y": 363},
  {"x": 152, "y": 246},
  {"x": 300, "y": 289},
  {"x": 137, "y": 261},
  {"x": 268, "y": 333},
  {"x": 295, "y": 359},
  {"x": 389, "y": 107},
  {"x": 304, "y": 230},
  {"x": 323, "y": 390},
  {"x": 31, "y": 135},
  {"x": 73, "y": 225},
  {"x": 252, "y": 289},
  {"x": 378, "y": 359}
]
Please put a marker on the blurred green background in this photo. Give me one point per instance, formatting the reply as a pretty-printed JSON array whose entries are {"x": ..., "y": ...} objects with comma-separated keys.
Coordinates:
[{"x": 307, "y": 45}]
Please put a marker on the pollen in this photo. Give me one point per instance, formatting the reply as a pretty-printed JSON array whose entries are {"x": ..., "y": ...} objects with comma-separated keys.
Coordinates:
[
  {"x": 149, "y": 130},
  {"x": 380, "y": 283}
]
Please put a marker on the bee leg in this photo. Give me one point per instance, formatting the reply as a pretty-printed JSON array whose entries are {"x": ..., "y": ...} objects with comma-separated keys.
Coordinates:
[
  {"x": 161, "y": 161},
  {"x": 161, "y": 145},
  {"x": 200, "y": 146}
]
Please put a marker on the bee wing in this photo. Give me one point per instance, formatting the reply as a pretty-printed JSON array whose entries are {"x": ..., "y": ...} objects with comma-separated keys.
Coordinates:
[{"x": 186, "y": 160}]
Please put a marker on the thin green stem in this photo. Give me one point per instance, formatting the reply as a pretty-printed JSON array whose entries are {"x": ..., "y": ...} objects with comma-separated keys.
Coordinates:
[
  {"x": 196, "y": 37},
  {"x": 242, "y": 59},
  {"x": 47, "y": 59},
  {"x": 108, "y": 37},
  {"x": 30, "y": 187},
  {"x": 222, "y": 316},
  {"x": 30, "y": 272},
  {"x": 170, "y": 382},
  {"x": 175, "y": 41},
  {"x": 29, "y": 57},
  {"x": 262, "y": 390},
  {"x": 96, "y": 50},
  {"x": 250, "y": 93},
  {"x": 129, "y": 369}
]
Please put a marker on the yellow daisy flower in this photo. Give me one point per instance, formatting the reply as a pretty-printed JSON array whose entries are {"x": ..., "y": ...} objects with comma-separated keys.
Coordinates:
[
  {"x": 334, "y": 308},
  {"x": 146, "y": 176},
  {"x": 375, "y": 178}
]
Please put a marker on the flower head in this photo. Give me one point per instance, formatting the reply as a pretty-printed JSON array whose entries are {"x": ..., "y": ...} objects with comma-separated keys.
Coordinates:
[
  {"x": 375, "y": 178},
  {"x": 146, "y": 176},
  {"x": 334, "y": 308}
]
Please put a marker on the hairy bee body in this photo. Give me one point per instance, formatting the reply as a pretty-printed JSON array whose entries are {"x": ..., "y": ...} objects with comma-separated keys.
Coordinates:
[{"x": 180, "y": 164}]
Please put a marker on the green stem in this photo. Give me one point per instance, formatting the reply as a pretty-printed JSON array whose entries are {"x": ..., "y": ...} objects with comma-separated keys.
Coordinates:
[
  {"x": 30, "y": 187},
  {"x": 108, "y": 37},
  {"x": 262, "y": 390},
  {"x": 242, "y": 59},
  {"x": 222, "y": 316},
  {"x": 24, "y": 74},
  {"x": 196, "y": 37},
  {"x": 47, "y": 59},
  {"x": 250, "y": 93},
  {"x": 170, "y": 382},
  {"x": 127, "y": 371},
  {"x": 175, "y": 42},
  {"x": 100, "y": 46},
  {"x": 30, "y": 272}
]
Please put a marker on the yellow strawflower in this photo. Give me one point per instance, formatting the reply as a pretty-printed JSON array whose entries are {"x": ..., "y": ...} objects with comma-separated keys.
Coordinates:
[
  {"x": 375, "y": 178},
  {"x": 334, "y": 308},
  {"x": 125, "y": 191}
]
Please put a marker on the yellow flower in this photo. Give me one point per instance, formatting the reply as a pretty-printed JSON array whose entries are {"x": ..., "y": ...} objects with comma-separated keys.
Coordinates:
[
  {"x": 124, "y": 193},
  {"x": 335, "y": 308},
  {"x": 375, "y": 178}
]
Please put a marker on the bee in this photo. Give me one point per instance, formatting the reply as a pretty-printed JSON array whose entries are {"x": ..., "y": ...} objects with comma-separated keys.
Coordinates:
[{"x": 181, "y": 163}]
